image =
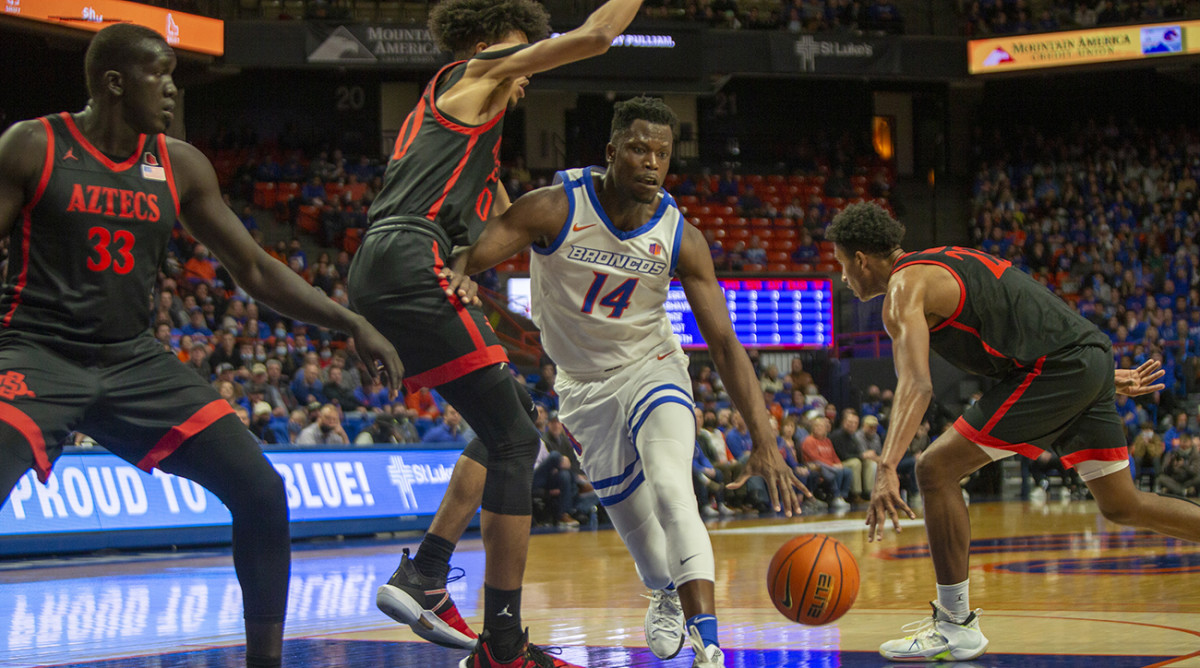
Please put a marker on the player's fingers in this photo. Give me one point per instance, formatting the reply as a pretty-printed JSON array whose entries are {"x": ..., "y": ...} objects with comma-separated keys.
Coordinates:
[
  {"x": 773, "y": 492},
  {"x": 739, "y": 482},
  {"x": 394, "y": 369},
  {"x": 791, "y": 505}
]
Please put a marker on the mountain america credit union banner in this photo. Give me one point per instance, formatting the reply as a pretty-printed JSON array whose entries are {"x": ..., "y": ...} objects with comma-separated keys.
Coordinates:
[
  {"x": 368, "y": 45},
  {"x": 824, "y": 54},
  {"x": 1083, "y": 47},
  {"x": 101, "y": 492}
]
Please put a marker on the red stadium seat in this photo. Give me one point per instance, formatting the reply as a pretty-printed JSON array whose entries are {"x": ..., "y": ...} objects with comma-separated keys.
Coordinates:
[
  {"x": 828, "y": 267},
  {"x": 777, "y": 267},
  {"x": 352, "y": 239},
  {"x": 753, "y": 268},
  {"x": 307, "y": 219},
  {"x": 802, "y": 267},
  {"x": 739, "y": 233},
  {"x": 264, "y": 194},
  {"x": 777, "y": 256},
  {"x": 783, "y": 245}
]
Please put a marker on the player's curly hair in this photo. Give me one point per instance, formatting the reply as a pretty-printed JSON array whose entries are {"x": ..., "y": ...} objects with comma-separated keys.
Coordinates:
[
  {"x": 865, "y": 227},
  {"x": 458, "y": 25},
  {"x": 651, "y": 109}
]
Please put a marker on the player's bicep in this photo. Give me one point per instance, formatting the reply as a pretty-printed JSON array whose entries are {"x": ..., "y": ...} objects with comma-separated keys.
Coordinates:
[
  {"x": 528, "y": 219},
  {"x": 705, "y": 296},
  {"x": 22, "y": 159},
  {"x": 203, "y": 211},
  {"x": 548, "y": 54},
  {"x": 905, "y": 321}
]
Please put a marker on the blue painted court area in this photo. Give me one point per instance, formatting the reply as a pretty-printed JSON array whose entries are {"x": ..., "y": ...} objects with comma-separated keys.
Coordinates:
[{"x": 349, "y": 654}]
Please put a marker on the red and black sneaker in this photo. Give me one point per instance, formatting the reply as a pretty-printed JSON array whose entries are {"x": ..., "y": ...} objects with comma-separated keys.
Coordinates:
[
  {"x": 425, "y": 605},
  {"x": 531, "y": 656}
]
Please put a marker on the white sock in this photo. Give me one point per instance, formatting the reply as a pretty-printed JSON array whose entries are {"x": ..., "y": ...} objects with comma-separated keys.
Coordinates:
[{"x": 955, "y": 599}]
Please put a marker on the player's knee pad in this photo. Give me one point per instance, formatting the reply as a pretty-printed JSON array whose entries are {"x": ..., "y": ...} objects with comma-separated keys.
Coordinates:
[{"x": 507, "y": 490}]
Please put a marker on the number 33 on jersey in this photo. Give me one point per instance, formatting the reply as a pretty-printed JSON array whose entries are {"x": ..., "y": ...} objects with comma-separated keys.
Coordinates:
[{"x": 100, "y": 236}]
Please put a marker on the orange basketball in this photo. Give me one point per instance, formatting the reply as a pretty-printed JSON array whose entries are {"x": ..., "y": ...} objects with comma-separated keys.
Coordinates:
[{"x": 813, "y": 579}]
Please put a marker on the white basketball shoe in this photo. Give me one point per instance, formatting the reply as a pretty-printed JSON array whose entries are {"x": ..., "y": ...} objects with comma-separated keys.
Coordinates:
[
  {"x": 664, "y": 624},
  {"x": 706, "y": 657},
  {"x": 938, "y": 638}
]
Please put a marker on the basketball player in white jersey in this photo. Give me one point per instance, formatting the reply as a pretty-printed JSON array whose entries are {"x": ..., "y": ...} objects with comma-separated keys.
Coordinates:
[{"x": 607, "y": 243}]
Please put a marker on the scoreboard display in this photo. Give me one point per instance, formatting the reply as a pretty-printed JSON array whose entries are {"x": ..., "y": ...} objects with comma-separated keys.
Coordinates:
[{"x": 776, "y": 313}]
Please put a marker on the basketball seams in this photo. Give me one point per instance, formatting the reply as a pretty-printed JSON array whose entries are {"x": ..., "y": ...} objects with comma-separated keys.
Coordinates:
[
  {"x": 778, "y": 567},
  {"x": 841, "y": 582},
  {"x": 800, "y": 554},
  {"x": 808, "y": 581}
]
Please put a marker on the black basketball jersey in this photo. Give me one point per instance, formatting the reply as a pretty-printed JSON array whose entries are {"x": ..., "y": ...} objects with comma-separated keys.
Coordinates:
[
  {"x": 442, "y": 170},
  {"x": 85, "y": 251},
  {"x": 1005, "y": 319}
]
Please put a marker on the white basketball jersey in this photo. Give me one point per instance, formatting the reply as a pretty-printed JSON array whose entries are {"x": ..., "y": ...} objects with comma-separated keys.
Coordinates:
[{"x": 598, "y": 293}]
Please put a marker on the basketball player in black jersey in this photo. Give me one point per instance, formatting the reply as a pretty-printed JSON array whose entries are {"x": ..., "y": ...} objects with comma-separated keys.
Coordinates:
[
  {"x": 1055, "y": 391},
  {"x": 441, "y": 184},
  {"x": 88, "y": 201}
]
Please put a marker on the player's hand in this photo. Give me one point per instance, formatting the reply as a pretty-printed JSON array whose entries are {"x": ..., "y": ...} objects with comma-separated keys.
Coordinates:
[
  {"x": 462, "y": 286},
  {"x": 379, "y": 354},
  {"x": 1139, "y": 381},
  {"x": 886, "y": 503},
  {"x": 785, "y": 489}
]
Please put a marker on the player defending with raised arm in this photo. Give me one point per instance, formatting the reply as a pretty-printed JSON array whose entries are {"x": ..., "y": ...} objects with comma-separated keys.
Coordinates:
[
  {"x": 88, "y": 201},
  {"x": 1055, "y": 391},
  {"x": 607, "y": 244},
  {"x": 441, "y": 184}
]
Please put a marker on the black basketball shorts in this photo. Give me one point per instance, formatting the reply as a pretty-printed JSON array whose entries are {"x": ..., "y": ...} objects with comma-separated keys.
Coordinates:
[
  {"x": 394, "y": 284},
  {"x": 134, "y": 398},
  {"x": 1064, "y": 403}
]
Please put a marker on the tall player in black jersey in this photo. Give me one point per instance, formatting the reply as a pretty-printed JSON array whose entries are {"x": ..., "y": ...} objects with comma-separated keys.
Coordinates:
[
  {"x": 1055, "y": 391},
  {"x": 88, "y": 201},
  {"x": 440, "y": 186}
]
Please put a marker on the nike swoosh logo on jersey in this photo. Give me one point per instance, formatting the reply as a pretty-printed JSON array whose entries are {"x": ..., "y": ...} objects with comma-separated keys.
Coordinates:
[
  {"x": 684, "y": 561},
  {"x": 577, "y": 228},
  {"x": 666, "y": 354}
]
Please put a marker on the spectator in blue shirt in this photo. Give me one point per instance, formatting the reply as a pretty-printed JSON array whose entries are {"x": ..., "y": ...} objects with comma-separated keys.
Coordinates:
[
  {"x": 307, "y": 386},
  {"x": 737, "y": 439},
  {"x": 449, "y": 430}
]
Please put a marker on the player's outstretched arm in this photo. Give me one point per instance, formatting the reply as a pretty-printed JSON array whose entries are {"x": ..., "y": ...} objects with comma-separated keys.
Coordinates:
[
  {"x": 592, "y": 38},
  {"x": 205, "y": 215},
  {"x": 704, "y": 295},
  {"x": 904, "y": 319},
  {"x": 537, "y": 216},
  {"x": 1139, "y": 381},
  {"x": 22, "y": 157}
]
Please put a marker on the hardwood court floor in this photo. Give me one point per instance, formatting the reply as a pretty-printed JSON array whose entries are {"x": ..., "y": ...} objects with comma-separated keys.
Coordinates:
[{"x": 1058, "y": 585}]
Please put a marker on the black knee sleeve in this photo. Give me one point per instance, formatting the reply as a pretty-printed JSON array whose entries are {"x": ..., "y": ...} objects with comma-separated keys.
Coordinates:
[
  {"x": 498, "y": 409},
  {"x": 476, "y": 451},
  {"x": 225, "y": 459}
]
